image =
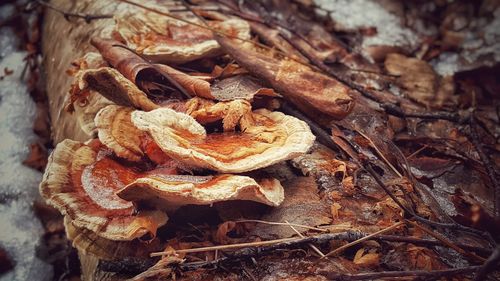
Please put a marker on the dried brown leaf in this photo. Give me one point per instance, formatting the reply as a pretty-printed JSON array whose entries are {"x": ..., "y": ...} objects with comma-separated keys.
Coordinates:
[
  {"x": 37, "y": 159},
  {"x": 302, "y": 205},
  {"x": 335, "y": 210},
  {"x": 370, "y": 259},
  {"x": 222, "y": 231}
]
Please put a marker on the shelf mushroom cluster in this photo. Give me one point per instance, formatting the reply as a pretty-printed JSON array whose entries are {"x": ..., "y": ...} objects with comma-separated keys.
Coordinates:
[
  {"x": 150, "y": 158},
  {"x": 161, "y": 39}
]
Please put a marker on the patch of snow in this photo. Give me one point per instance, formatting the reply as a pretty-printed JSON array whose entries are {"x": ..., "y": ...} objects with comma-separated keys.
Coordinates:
[
  {"x": 20, "y": 230},
  {"x": 7, "y": 10},
  {"x": 8, "y": 42},
  {"x": 486, "y": 45},
  {"x": 447, "y": 64},
  {"x": 481, "y": 47},
  {"x": 352, "y": 15}
]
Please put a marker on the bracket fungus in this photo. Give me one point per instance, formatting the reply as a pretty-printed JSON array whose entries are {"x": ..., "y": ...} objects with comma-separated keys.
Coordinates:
[
  {"x": 273, "y": 137},
  {"x": 92, "y": 187},
  {"x": 87, "y": 241},
  {"x": 86, "y": 103},
  {"x": 166, "y": 138},
  {"x": 172, "y": 191},
  {"x": 230, "y": 112},
  {"x": 87, "y": 111},
  {"x": 161, "y": 39},
  {"x": 240, "y": 87},
  {"x": 116, "y": 131},
  {"x": 80, "y": 181}
]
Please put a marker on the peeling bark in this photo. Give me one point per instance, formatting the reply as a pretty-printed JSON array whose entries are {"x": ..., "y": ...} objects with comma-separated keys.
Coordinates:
[{"x": 64, "y": 42}]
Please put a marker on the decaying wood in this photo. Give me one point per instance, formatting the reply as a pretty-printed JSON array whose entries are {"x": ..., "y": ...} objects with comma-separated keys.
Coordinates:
[
  {"x": 337, "y": 98},
  {"x": 432, "y": 275},
  {"x": 89, "y": 266},
  {"x": 68, "y": 15},
  {"x": 66, "y": 41}
]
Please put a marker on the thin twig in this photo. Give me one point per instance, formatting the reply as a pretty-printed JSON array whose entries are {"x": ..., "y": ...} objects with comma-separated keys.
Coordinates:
[
  {"x": 380, "y": 154},
  {"x": 285, "y": 224},
  {"x": 369, "y": 169},
  {"x": 314, "y": 248},
  {"x": 316, "y": 62},
  {"x": 218, "y": 32},
  {"x": 226, "y": 247},
  {"x": 368, "y": 237},
  {"x": 251, "y": 252},
  {"x": 205, "y": 9},
  {"x": 266, "y": 19},
  {"x": 367, "y": 166},
  {"x": 429, "y": 242},
  {"x": 432, "y": 275},
  {"x": 490, "y": 265},
  {"x": 87, "y": 17},
  {"x": 435, "y": 115},
  {"x": 188, "y": 7},
  {"x": 417, "y": 151},
  {"x": 488, "y": 165},
  {"x": 494, "y": 259},
  {"x": 248, "y": 273},
  {"x": 373, "y": 72},
  {"x": 447, "y": 242},
  {"x": 388, "y": 107},
  {"x": 323, "y": 136},
  {"x": 328, "y": 70}
]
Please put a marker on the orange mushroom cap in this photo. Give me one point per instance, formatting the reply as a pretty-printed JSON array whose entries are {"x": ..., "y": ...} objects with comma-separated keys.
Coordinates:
[
  {"x": 87, "y": 241},
  {"x": 80, "y": 181},
  {"x": 161, "y": 39},
  {"x": 269, "y": 138},
  {"x": 170, "y": 192}
]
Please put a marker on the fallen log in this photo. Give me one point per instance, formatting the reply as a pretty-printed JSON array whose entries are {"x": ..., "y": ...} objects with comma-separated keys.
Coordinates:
[
  {"x": 69, "y": 29},
  {"x": 67, "y": 38}
]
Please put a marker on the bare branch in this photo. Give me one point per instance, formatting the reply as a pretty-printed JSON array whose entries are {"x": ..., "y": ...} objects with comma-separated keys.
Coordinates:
[
  {"x": 488, "y": 165},
  {"x": 433, "y": 275},
  {"x": 490, "y": 265},
  {"x": 67, "y": 15}
]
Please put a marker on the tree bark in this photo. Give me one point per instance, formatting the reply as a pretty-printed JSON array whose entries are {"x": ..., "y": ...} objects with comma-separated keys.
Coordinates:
[{"x": 65, "y": 40}]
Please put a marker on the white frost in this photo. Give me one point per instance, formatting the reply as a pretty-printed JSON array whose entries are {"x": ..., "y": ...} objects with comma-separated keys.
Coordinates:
[
  {"x": 356, "y": 14},
  {"x": 447, "y": 64},
  {"x": 481, "y": 47},
  {"x": 20, "y": 230}
]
